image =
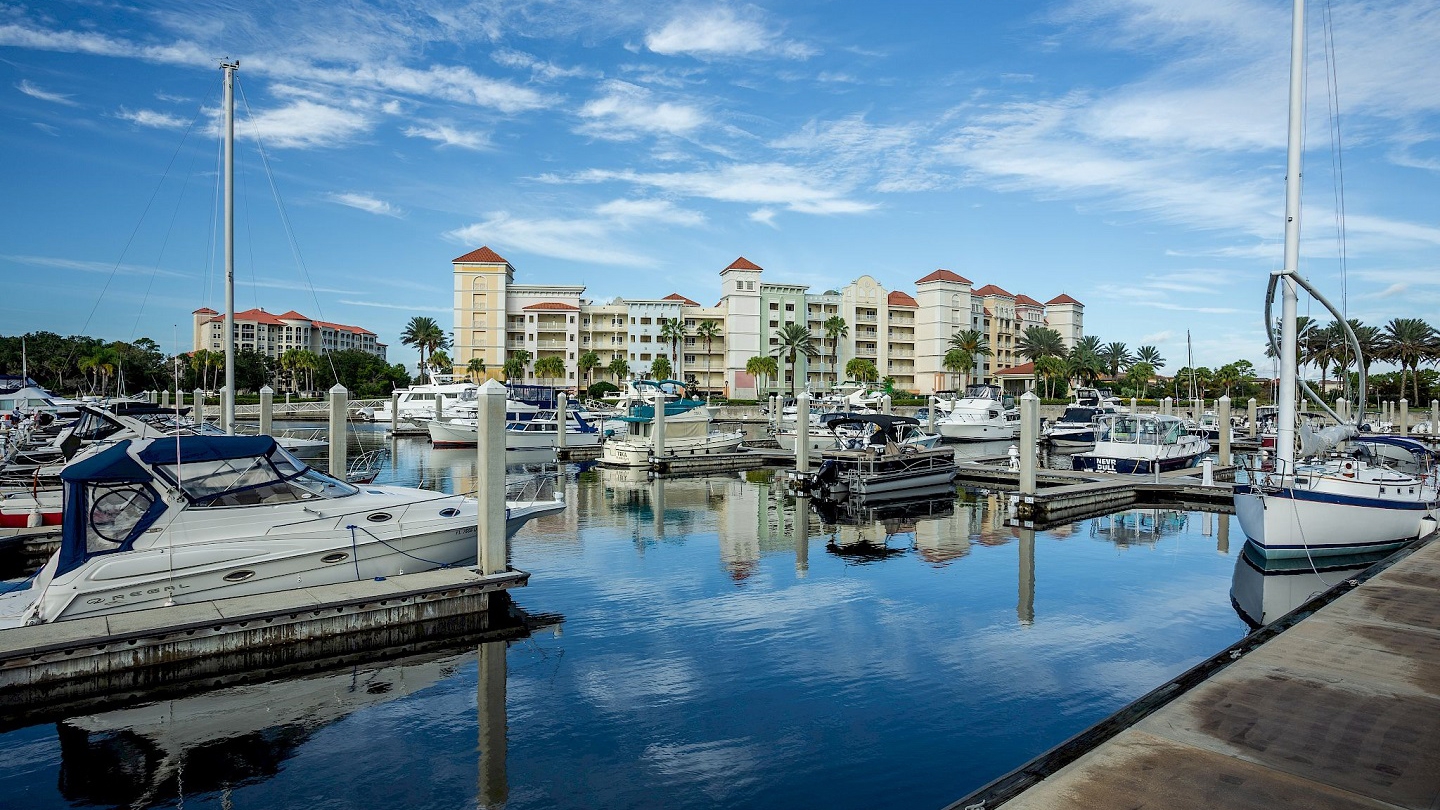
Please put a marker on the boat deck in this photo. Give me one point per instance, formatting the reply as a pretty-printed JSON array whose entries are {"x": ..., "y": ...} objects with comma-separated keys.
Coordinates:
[{"x": 1335, "y": 706}]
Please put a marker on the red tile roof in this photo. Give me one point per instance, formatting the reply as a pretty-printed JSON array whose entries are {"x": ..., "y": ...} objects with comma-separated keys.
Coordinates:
[
  {"x": 682, "y": 299},
  {"x": 340, "y": 327},
  {"x": 482, "y": 256},
  {"x": 1025, "y": 299},
  {"x": 1062, "y": 298},
  {"x": 743, "y": 263},
  {"x": 991, "y": 289},
  {"x": 900, "y": 299},
  {"x": 944, "y": 275},
  {"x": 205, "y": 311},
  {"x": 261, "y": 316},
  {"x": 553, "y": 305},
  {"x": 292, "y": 315},
  {"x": 1022, "y": 370}
]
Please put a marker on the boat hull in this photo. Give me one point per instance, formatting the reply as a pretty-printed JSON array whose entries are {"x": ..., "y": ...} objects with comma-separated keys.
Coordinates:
[
  {"x": 637, "y": 453},
  {"x": 978, "y": 431},
  {"x": 1298, "y": 522},
  {"x": 1131, "y": 466}
]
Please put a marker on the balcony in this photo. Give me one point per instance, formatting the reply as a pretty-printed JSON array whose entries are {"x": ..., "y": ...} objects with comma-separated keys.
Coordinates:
[
  {"x": 902, "y": 352},
  {"x": 551, "y": 344},
  {"x": 866, "y": 317},
  {"x": 865, "y": 351},
  {"x": 514, "y": 343}
]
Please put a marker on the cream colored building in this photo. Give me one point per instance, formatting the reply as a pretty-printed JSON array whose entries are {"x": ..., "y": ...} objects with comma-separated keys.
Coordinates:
[{"x": 273, "y": 335}]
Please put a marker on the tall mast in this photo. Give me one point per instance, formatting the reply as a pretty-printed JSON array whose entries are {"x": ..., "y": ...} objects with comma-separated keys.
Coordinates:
[
  {"x": 1285, "y": 433},
  {"x": 229, "y": 404}
]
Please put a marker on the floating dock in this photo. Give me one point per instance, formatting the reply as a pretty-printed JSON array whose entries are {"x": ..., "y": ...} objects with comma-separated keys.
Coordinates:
[{"x": 1336, "y": 705}]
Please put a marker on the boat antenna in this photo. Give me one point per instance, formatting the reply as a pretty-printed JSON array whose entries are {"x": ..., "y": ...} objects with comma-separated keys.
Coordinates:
[{"x": 229, "y": 399}]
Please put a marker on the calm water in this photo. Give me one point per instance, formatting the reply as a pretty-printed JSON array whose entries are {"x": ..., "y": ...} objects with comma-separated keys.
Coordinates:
[{"x": 720, "y": 645}]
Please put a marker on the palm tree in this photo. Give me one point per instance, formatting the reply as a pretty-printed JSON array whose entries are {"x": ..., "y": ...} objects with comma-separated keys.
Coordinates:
[
  {"x": 588, "y": 362},
  {"x": 795, "y": 340},
  {"x": 516, "y": 364},
  {"x": 1139, "y": 377},
  {"x": 618, "y": 367},
  {"x": 1117, "y": 358},
  {"x": 660, "y": 368},
  {"x": 862, "y": 370},
  {"x": 674, "y": 331},
  {"x": 707, "y": 331},
  {"x": 309, "y": 362},
  {"x": 762, "y": 367},
  {"x": 426, "y": 335},
  {"x": 550, "y": 367},
  {"x": 973, "y": 343},
  {"x": 1151, "y": 355},
  {"x": 441, "y": 361},
  {"x": 1085, "y": 363},
  {"x": 1051, "y": 369},
  {"x": 835, "y": 328},
  {"x": 957, "y": 362},
  {"x": 1041, "y": 341},
  {"x": 475, "y": 368},
  {"x": 1407, "y": 341}
]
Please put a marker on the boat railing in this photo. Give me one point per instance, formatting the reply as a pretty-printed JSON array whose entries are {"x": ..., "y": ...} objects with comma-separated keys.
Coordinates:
[
  {"x": 365, "y": 467},
  {"x": 531, "y": 489}
]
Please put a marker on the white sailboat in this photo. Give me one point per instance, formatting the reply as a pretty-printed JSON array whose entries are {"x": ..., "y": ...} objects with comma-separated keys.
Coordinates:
[{"x": 1318, "y": 503}]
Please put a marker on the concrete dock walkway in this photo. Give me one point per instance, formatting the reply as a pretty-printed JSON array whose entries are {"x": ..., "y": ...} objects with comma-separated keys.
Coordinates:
[{"x": 1338, "y": 710}]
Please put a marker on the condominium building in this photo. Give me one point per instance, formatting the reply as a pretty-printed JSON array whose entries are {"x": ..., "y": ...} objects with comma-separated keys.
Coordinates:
[
  {"x": 904, "y": 336},
  {"x": 273, "y": 335}
]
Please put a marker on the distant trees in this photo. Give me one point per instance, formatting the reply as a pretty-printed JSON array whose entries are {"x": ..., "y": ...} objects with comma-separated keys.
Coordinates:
[
  {"x": 550, "y": 367},
  {"x": 588, "y": 362},
  {"x": 660, "y": 368},
  {"x": 515, "y": 365},
  {"x": 762, "y": 368},
  {"x": 862, "y": 370},
  {"x": 475, "y": 368},
  {"x": 674, "y": 332},
  {"x": 619, "y": 368}
]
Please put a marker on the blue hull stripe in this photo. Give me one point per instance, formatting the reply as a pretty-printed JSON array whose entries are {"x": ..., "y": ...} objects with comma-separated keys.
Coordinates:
[{"x": 1341, "y": 500}]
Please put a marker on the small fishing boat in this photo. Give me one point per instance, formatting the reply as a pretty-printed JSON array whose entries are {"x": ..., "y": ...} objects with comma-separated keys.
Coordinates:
[
  {"x": 1141, "y": 444},
  {"x": 873, "y": 460},
  {"x": 687, "y": 429},
  {"x": 985, "y": 413}
]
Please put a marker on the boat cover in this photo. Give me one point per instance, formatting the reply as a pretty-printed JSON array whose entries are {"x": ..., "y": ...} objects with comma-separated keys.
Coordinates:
[{"x": 205, "y": 448}]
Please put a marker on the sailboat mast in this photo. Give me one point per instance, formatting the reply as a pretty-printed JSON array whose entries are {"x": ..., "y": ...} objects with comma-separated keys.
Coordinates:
[
  {"x": 1285, "y": 432},
  {"x": 229, "y": 403}
]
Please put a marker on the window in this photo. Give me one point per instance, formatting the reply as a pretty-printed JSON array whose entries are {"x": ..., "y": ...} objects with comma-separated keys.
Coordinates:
[
  {"x": 789, "y": 307},
  {"x": 644, "y": 321},
  {"x": 645, "y": 356},
  {"x": 775, "y": 306}
]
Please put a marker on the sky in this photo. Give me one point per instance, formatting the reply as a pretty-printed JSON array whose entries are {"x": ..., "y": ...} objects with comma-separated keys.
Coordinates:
[{"x": 1129, "y": 153}]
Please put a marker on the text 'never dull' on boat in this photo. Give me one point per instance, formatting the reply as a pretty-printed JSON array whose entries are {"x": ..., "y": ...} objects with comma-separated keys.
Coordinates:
[{"x": 1142, "y": 444}]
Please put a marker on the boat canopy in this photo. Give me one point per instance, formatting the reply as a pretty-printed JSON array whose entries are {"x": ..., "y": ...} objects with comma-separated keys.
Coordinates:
[
  {"x": 220, "y": 471},
  {"x": 108, "y": 503},
  {"x": 189, "y": 449},
  {"x": 888, "y": 427}
]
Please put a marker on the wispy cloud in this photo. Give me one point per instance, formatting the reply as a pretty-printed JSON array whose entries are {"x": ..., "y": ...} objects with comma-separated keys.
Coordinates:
[
  {"x": 306, "y": 124},
  {"x": 33, "y": 91},
  {"x": 583, "y": 239},
  {"x": 625, "y": 111},
  {"x": 150, "y": 118},
  {"x": 85, "y": 266},
  {"x": 386, "y": 305},
  {"x": 721, "y": 32},
  {"x": 447, "y": 135},
  {"x": 366, "y": 203},
  {"x": 540, "y": 69},
  {"x": 628, "y": 212},
  {"x": 758, "y": 184}
]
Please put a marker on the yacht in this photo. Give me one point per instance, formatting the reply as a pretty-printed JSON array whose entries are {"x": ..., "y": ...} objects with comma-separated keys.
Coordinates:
[
  {"x": 1141, "y": 444},
  {"x": 872, "y": 460},
  {"x": 185, "y": 519},
  {"x": 1076, "y": 428},
  {"x": 443, "y": 393},
  {"x": 538, "y": 432},
  {"x": 983, "y": 414},
  {"x": 687, "y": 430}
]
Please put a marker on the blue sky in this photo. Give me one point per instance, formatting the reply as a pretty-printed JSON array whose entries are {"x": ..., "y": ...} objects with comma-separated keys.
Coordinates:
[{"x": 1127, "y": 152}]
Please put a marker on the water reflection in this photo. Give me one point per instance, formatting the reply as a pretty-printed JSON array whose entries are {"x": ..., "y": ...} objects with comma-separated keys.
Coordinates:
[
  {"x": 1262, "y": 590},
  {"x": 1139, "y": 527}
]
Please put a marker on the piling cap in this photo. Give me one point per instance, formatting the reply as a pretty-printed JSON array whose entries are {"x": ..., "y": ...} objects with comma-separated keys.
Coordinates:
[
  {"x": 493, "y": 388},
  {"x": 337, "y": 388},
  {"x": 265, "y": 389},
  {"x": 1029, "y": 395}
]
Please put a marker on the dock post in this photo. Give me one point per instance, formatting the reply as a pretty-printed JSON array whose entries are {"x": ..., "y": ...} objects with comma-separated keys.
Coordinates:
[
  {"x": 179, "y": 398},
  {"x": 492, "y": 553},
  {"x": 658, "y": 442},
  {"x": 339, "y": 409},
  {"x": 267, "y": 408},
  {"x": 1207, "y": 472},
  {"x": 1250, "y": 416},
  {"x": 774, "y": 413},
  {"x": 394, "y": 411},
  {"x": 227, "y": 419},
  {"x": 1222, "y": 408},
  {"x": 561, "y": 419},
  {"x": 439, "y": 407},
  {"x": 490, "y": 688},
  {"x": 885, "y": 406},
  {"x": 1025, "y": 606},
  {"x": 1134, "y": 406},
  {"x": 930, "y": 415},
  {"x": 199, "y": 406},
  {"x": 802, "y": 536},
  {"x": 1404, "y": 417},
  {"x": 165, "y": 398},
  {"x": 1434, "y": 419},
  {"x": 1342, "y": 408},
  {"x": 1166, "y": 405},
  {"x": 802, "y": 433},
  {"x": 1029, "y": 435}
]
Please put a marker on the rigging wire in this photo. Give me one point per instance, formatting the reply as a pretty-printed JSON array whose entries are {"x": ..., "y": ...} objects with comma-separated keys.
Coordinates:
[{"x": 1337, "y": 162}]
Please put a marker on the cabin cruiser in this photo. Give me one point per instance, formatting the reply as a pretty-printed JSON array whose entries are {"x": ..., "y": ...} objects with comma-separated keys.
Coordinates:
[
  {"x": 822, "y": 438},
  {"x": 1141, "y": 444},
  {"x": 538, "y": 432},
  {"x": 687, "y": 430},
  {"x": 427, "y": 400},
  {"x": 32, "y": 399},
  {"x": 185, "y": 519},
  {"x": 1076, "y": 428},
  {"x": 872, "y": 460},
  {"x": 985, "y": 413}
]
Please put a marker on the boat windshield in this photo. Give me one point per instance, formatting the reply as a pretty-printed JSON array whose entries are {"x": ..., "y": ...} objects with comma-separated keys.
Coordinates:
[
  {"x": 982, "y": 392},
  {"x": 1133, "y": 430},
  {"x": 1077, "y": 415},
  {"x": 274, "y": 478}
]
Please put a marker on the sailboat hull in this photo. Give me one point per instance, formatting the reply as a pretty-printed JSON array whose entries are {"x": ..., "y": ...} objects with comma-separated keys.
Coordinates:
[{"x": 1293, "y": 521}]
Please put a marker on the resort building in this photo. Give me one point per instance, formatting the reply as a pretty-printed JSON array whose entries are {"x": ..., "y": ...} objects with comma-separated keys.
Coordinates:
[
  {"x": 273, "y": 335},
  {"x": 903, "y": 335}
]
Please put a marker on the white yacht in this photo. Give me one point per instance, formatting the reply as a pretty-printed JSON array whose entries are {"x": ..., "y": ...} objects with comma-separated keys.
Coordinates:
[
  {"x": 1142, "y": 444},
  {"x": 538, "y": 432},
  {"x": 687, "y": 431},
  {"x": 983, "y": 414},
  {"x": 1078, "y": 426},
  {"x": 442, "y": 394},
  {"x": 185, "y": 519}
]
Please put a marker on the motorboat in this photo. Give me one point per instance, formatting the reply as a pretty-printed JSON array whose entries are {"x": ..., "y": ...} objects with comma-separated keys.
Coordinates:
[
  {"x": 1077, "y": 426},
  {"x": 185, "y": 519},
  {"x": 536, "y": 433},
  {"x": 687, "y": 430},
  {"x": 442, "y": 393},
  {"x": 985, "y": 413},
  {"x": 873, "y": 460},
  {"x": 1264, "y": 588},
  {"x": 1086, "y": 397},
  {"x": 32, "y": 399},
  {"x": 822, "y": 438},
  {"x": 1141, "y": 444},
  {"x": 1315, "y": 501}
]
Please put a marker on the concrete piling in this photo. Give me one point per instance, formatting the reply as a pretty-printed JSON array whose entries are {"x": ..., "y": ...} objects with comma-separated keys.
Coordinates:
[
  {"x": 1166, "y": 406},
  {"x": 659, "y": 442},
  {"x": 774, "y": 412},
  {"x": 267, "y": 409},
  {"x": 1134, "y": 406},
  {"x": 179, "y": 398},
  {"x": 885, "y": 404},
  {"x": 1342, "y": 408},
  {"x": 1222, "y": 414},
  {"x": 200, "y": 406},
  {"x": 930, "y": 415},
  {"x": 394, "y": 412},
  {"x": 562, "y": 418},
  {"x": 492, "y": 552},
  {"x": 165, "y": 398},
  {"x": 1434, "y": 418},
  {"x": 227, "y": 420},
  {"x": 439, "y": 406},
  {"x": 802, "y": 432},
  {"x": 1404, "y": 417},
  {"x": 1029, "y": 436},
  {"x": 339, "y": 410},
  {"x": 1250, "y": 416}
]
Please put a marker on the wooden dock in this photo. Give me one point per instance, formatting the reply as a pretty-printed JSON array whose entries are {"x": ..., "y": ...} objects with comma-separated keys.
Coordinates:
[{"x": 1336, "y": 705}]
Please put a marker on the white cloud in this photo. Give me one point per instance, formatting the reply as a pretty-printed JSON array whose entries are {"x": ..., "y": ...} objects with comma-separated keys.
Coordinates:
[
  {"x": 539, "y": 68},
  {"x": 85, "y": 266},
  {"x": 582, "y": 240},
  {"x": 446, "y": 135},
  {"x": 367, "y": 203},
  {"x": 44, "y": 95},
  {"x": 634, "y": 211},
  {"x": 305, "y": 124},
  {"x": 721, "y": 32},
  {"x": 150, "y": 118},
  {"x": 384, "y": 305},
  {"x": 757, "y": 183},
  {"x": 764, "y": 216},
  {"x": 626, "y": 110},
  {"x": 1156, "y": 337}
]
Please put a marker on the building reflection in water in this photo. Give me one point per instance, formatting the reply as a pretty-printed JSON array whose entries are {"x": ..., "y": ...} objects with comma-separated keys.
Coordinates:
[{"x": 1139, "y": 527}]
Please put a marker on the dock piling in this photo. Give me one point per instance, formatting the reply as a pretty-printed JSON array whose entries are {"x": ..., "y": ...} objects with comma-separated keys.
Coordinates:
[
  {"x": 1404, "y": 416},
  {"x": 339, "y": 410},
  {"x": 561, "y": 417},
  {"x": 199, "y": 406},
  {"x": 1222, "y": 408},
  {"x": 1342, "y": 408},
  {"x": 394, "y": 412},
  {"x": 1250, "y": 411},
  {"x": 659, "y": 442},
  {"x": 802, "y": 433},
  {"x": 1134, "y": 406},
  {"x": 1167, "y": 406},
  {"x": 492, "y": 553},
  {"x": 165, "y": 398},
  {"x": 267, "y": 408},
  {"x": 227, "y": 419},
  {"x": 1207, "y": 472},
  {"x": 1029, "y": 435},
  {"x": 930, "y": 415},
  {"x": 885, "y": 404},
  {"x": 439, "y": 407},
  {"x": 1434, "y": 418}
]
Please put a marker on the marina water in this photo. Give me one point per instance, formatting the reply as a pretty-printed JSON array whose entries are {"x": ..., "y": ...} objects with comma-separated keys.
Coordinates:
[{"x": 699, "y": 646}]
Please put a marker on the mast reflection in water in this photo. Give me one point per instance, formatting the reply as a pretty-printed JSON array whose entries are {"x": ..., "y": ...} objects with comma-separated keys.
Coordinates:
[{"x": 713, "y": 653}]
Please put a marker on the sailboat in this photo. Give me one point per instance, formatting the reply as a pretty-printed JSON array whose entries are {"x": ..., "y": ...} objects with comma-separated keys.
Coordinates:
[{"x": 1318, "y": 502}]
